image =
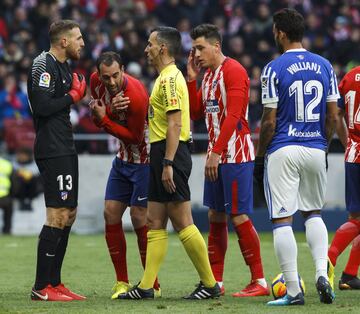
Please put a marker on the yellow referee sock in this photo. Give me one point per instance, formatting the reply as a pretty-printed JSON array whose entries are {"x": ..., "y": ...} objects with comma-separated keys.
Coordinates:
[
  {"x": 195, "y": 247},
  {"x": 157, "y": 244}
]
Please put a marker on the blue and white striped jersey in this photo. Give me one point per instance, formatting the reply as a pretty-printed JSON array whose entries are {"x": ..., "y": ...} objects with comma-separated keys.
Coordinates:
[{"x": 299, "y": 84}]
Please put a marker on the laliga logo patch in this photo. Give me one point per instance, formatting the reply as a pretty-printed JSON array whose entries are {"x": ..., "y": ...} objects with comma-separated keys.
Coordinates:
[
  {"x": 44, "y": 80},
  {"x": 64, "y": 195}
]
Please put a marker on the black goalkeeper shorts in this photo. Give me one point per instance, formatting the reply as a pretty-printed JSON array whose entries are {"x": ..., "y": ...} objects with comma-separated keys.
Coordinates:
[{"x": 60, "y": 176}]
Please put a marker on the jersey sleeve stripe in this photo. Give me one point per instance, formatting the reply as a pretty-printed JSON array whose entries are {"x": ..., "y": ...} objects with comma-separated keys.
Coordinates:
[{"x": 272, "y": 85}]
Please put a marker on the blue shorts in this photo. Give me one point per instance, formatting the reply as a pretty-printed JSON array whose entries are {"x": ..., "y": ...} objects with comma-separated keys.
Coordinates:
[
  {"x": 232, "y": 192},
  {"x": 128, "y": 183},
  {"x": 352, "y": 186}
]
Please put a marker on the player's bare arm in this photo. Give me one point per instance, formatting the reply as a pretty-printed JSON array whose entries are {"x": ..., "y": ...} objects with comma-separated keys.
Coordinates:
[
  {"x": 331, "y": 120},
  {"x": 267, "y": 130},
  {"x": 172, "y": 143},
  {"x": 211, "y": 166},
  {"x": 341, "y": 129}
]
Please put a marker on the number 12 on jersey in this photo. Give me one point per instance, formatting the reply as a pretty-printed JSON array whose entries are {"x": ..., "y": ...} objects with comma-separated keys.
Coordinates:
[{"x": 304, "y": 112}]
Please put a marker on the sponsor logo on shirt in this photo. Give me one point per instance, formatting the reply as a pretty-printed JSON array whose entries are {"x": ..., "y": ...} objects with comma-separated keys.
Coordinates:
[
  {"x": 212, "y": 106},
  {"x": 44, "y": 80},
  {"x": 214, "y": 83},
  {"x": 294, "y": 132}
]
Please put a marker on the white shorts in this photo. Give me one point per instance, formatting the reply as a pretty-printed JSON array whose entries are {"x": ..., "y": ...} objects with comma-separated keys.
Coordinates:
[{"x": 295, "y": 179}]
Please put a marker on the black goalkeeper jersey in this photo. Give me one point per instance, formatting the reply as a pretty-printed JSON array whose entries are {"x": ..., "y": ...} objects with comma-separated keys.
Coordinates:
[{"x": 48, "y": 83}]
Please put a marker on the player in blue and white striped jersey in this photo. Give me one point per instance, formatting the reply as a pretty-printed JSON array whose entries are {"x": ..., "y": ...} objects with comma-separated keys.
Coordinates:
[
  {"x": 299, "y": 94},
  {"x": 299, "y": 84}
]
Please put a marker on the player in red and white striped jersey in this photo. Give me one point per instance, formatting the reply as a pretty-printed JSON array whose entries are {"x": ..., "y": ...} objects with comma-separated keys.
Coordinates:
[
  {"x": 223, "y": 101},
  {"x": 349, "y": 135},
  {"x": 129, "y": 126},
  {"x": 120, "y": 107},
  {"x": 225, "y": 116}
]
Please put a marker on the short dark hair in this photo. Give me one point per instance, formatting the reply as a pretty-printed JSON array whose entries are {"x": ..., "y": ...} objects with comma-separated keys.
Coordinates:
[
  {"x": 169, "y": 36},
  {"x": 60, "y": 27},
  {"x": 108, "y": 58},
  {"x": 208, "y": 31},
  {"x": 291, "y": 23}
]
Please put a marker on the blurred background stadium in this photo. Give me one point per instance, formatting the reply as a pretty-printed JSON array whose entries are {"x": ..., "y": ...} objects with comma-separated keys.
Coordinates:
[{"x": 333, "y": 31}]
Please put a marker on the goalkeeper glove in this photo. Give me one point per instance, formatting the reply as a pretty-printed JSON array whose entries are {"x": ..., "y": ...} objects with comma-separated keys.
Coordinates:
[{"x": 78, "y": 87}]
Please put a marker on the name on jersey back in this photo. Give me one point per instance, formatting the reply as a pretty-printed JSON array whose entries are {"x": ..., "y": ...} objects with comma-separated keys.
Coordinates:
[{"x": 304, "y": 66}]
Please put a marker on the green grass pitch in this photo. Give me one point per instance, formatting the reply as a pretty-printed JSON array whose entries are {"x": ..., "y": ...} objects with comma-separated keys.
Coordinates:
[{"x": 88, "y": 269}]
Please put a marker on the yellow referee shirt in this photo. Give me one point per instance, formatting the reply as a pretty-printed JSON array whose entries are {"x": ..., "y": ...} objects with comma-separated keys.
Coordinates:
[{"x": 169, "y": 93}]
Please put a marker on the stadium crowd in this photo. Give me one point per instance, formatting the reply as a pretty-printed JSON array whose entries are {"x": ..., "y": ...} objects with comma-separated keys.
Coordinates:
[{"x": 333, "y": 31}]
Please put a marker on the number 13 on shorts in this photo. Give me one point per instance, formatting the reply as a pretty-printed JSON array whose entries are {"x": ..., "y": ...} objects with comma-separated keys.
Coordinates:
[{"x": 67, "y": 180}]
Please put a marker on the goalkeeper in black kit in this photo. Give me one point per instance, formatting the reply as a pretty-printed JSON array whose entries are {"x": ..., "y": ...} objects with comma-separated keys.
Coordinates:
[{"x": 52, "y": 89}]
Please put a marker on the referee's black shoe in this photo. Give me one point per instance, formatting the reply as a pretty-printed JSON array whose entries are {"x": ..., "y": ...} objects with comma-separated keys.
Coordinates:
[
  {"x": 201, "y": 292},
  {"x": 137, "y": 293}
]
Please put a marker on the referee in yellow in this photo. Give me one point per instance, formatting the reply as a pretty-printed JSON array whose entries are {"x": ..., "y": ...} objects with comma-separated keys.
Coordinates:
[{"x": 170, "y": 168}]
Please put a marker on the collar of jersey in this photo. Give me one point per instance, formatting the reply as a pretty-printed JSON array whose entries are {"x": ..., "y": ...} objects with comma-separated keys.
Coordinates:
[
  {"x": 295, "y": 50},
  {"x": 124, "y": 84},
  {"x": 168, "y": 68}
]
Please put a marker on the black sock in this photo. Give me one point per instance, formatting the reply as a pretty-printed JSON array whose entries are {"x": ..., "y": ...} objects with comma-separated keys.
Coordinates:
[
  {"x": 346, "y": 277},
  {"x": 55, "y": 273},
  {"x": 48, "y": 241}
]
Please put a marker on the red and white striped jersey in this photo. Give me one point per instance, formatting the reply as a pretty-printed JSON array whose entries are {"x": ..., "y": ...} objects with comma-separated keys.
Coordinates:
[
  {"x": 130, "y": 126},
  {"x": 223, "y": 100},
  {"x": 349, "y": 88}
]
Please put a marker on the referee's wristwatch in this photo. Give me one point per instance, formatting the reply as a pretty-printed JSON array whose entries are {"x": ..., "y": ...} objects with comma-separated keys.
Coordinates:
[{"x": 167, "y": 162}]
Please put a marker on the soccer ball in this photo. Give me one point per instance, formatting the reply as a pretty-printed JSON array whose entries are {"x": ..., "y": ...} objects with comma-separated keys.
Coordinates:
[{"x": 278, "y": 286}]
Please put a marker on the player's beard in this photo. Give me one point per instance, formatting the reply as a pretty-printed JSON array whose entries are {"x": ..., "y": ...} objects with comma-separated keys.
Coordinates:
[
  {"x": 72, "y": 54},
  {"x": 115, "y": 90},
  {"x": 279, "y": 46}
]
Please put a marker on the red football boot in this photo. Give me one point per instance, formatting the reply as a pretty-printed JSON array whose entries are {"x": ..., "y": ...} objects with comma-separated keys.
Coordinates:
[
  {"x": 49, "y": 294},
  {"x": 253, "y": 289},
  {"x": 62, "y": 289},
  {"x": 222, "y": 290}
]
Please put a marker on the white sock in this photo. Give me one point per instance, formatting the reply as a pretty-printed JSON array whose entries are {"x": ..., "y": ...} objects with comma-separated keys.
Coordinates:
[
  {"x": 317, "y": 239},
  {"x": 220, "y": 283},
  {"x": 286, "y": 252},
  {"x": 262, "y": 282}
]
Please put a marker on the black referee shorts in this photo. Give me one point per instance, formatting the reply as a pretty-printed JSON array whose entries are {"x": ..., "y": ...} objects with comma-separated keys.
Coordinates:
[
  {"x": 181, "y": 170},
  {"x": 61, "y": 181}
]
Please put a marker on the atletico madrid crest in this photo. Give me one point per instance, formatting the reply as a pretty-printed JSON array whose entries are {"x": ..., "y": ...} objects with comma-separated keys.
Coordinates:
[{"x": 64, "y": 195}]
